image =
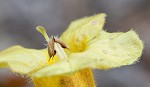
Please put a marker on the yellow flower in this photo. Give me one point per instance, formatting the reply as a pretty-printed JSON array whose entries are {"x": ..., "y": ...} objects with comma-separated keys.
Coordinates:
[{"x": 87, "y": 46}]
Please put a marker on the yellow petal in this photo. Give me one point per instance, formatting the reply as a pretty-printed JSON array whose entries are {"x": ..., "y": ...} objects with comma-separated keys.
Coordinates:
[
  {"x": 108, "y": 50},
  {"x": 81, "y": 31},
  {"x": 23, "y": 60},
  {"x": 115, "y": 49}
]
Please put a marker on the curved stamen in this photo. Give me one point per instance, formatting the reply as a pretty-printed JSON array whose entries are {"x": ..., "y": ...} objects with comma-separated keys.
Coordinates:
[
  {"x": 43, "y": 32},
  {"x": 55, "y": 46}
]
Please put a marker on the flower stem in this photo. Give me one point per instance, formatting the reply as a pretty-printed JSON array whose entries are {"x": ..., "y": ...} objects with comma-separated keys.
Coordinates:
[{"x": 82, "y": 78}]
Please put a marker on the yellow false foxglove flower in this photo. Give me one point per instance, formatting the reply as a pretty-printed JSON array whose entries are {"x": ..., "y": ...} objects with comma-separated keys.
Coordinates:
[{"x": 67, "y": 61}]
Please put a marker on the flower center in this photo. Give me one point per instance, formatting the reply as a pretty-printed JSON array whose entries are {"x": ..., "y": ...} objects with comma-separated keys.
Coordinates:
[{"x": 55, "y": 46}]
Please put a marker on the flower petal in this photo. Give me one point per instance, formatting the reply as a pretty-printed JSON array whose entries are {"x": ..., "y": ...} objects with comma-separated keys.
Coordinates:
[
  {"x": 81, "y": 31},
  {"x": 115, "y": 49},
  {"x": 23, "y": 60},
  {"x": 108, "y": 50}
]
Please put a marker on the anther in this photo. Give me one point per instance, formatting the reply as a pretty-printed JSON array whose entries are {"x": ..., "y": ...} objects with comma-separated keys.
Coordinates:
[
  {"x": 63, "y": 45},
  {"x": 51, "y": 50},
  {"x": 55, "y": 46}
]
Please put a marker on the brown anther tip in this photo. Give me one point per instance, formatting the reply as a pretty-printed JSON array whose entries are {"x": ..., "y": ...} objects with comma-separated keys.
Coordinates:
[
  {"x": 51, "y": 50},
  {"x": 52, "y": 56},
  {"x": 63, "y": 45}
]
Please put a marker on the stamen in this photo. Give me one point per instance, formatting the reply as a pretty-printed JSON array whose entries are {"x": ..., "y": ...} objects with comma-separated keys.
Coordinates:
[
  {"x": 51, "y": 50},
  {"x": 60, "y": 53},
  {"x": 55, "y": 46},
  {"x": 63, "y": 45}
]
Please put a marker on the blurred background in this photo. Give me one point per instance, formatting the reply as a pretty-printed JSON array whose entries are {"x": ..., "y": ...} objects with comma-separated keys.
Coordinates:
[{"x": 18, "y": 19}]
